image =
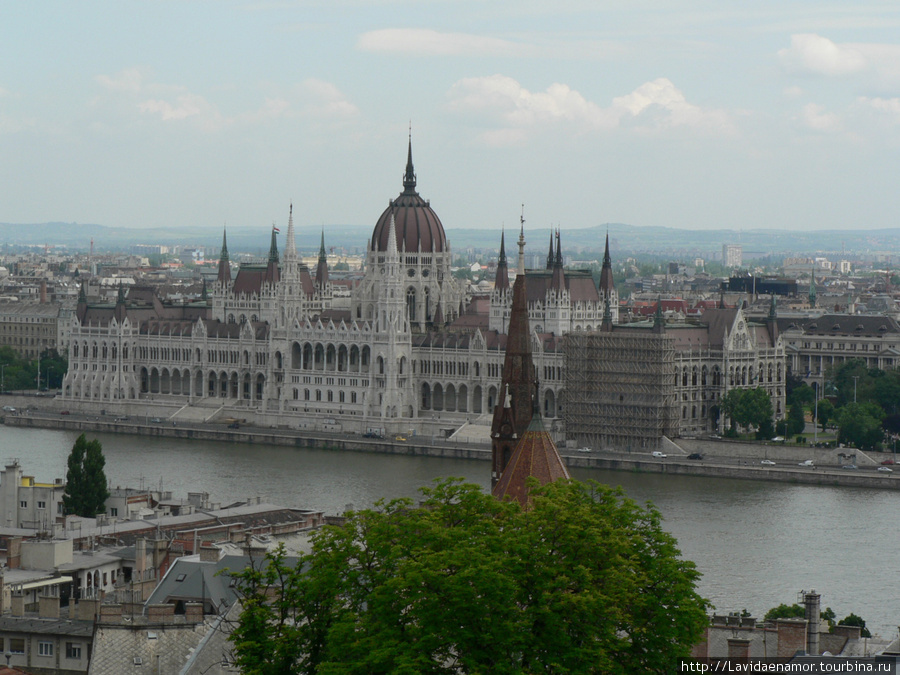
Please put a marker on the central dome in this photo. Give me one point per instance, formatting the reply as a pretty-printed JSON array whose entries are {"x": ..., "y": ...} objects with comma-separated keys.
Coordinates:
[{"x": 416, "y": 224}]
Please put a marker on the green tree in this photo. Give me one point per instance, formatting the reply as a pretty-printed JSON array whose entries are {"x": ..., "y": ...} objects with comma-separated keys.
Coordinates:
[
  {"x": 784, "y": 611},
  {"x": 853, "y": 620},
  {"x": 802, "y": 394},
  {"x": 859, "y": 425},
  {"x": 748, "y": 407},
  {"x": 86, "y": 491},
  {"x": 824, "y": 412},
  {"x": 584, "y": 580},
  {"x": 796, "y": 421}
]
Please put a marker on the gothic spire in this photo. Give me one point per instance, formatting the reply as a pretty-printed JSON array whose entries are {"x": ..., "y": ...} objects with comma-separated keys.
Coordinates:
[
  {"x": 607, "y": 284},
  {"x": 322, "y": 267},
  {"x": 550, "y": 254},
  {"x": 501, "y": 281},
  {"x": 812, "y": 289},
  {"x": 659, "y": 322},
  {"x": 558, "y": 262},
  {"x": 409, "y": 178},
  {"x": 521, "y": 268},
  {"x": 273, "y": 248},
  {"x": 290, "y": 246},
  {"x": 224, "y": 266}
]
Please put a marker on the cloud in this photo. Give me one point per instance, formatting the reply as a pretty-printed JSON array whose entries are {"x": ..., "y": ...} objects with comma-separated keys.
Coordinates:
[
  {"x": 176, "y": 104},
  {"x": 653, "y": 106},
  {"x": 433, "y": 43},
  {"x": 186, "y": 106},
  {"x": 325, "y": 100},
  {"x": 814, "y": 117},
  {"x": 129, "y": 80},
  {"x": 814, "y": 54},
  {"x": 811, "y": 54},
  {"x": 890, "y": 106}
]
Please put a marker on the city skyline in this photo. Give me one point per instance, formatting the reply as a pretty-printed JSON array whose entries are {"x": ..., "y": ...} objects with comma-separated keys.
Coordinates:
[{"x": 182, "y": 114}]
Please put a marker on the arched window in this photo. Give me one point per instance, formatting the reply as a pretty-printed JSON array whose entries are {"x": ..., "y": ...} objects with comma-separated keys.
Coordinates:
[{"x": 411, "y": 303}]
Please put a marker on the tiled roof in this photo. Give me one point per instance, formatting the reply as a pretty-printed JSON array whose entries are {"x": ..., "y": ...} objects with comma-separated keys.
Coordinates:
[
  {"x": 535, "y": 456},
  {"x": 144, "y": 648}
]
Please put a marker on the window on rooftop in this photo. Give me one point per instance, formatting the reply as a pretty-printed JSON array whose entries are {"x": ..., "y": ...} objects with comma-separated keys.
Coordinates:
[
  {"x": 44, "y": 649},
  {"x": 181, "y": 577}
]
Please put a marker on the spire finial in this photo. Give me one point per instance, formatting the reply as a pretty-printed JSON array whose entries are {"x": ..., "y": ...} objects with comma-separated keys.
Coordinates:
[{"x": 409, "y": 178}]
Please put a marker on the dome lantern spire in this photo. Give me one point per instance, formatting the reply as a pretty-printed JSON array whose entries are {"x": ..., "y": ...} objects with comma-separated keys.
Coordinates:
[{"x": 409, "y": 178}]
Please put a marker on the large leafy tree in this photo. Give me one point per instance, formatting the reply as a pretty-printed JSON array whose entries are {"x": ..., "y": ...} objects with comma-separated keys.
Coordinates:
[
  {"x": 86, "y": 488},
  {"x": 584, "y": 580},
  {"x": 859, "y": 425},
  {"x": 749, "y": 407}
]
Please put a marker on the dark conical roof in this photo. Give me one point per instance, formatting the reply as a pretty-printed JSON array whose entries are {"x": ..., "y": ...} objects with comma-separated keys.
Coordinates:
[{"x": 535, "y": 456}]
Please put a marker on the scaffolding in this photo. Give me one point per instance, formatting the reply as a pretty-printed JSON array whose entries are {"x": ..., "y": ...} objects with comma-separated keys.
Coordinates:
[{"x": 620, "y": 389}]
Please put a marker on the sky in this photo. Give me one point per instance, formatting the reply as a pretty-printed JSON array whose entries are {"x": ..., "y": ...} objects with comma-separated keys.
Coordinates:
[{"x": 690, "y": 114}]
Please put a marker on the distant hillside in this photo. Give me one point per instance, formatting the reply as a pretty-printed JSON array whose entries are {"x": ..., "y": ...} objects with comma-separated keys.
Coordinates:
[{"x": 624, "y": 239}]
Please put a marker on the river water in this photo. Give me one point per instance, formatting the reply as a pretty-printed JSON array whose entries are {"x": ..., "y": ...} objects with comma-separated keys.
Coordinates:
[{"x": 757, "y": 544}]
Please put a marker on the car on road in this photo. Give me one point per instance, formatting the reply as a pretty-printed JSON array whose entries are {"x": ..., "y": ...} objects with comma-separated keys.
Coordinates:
[
  {"x": 885, "y": 469},
  {"x": 8, "y": 408},
  {"x": 658, "y": 454},
  {"x": 584, "y": 449},
  {"x": 400, "y": 438},
  {"x": 778, "y": 439},
  {"x": 695, "y": 455},
  {"x": 807, "y": 462},
  {"x": 849, "y": 466},
  {"x": 372, "y": 434},
  {"x": 64, "y": 412},
  {"x": 767, "y": 462},
  {"x": 155, "y": 420},
  {"x": 888, "y": 462}
]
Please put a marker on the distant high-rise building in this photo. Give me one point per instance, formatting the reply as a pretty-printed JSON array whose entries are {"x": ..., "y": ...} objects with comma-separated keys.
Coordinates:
[{"x": 732, "y": 255}]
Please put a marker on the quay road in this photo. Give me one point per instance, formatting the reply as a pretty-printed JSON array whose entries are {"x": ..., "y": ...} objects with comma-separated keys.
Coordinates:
[{"x": 723, "y": 459}]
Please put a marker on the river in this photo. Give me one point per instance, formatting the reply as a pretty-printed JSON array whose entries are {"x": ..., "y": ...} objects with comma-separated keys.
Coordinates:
[{"x": 757, "y": 544}]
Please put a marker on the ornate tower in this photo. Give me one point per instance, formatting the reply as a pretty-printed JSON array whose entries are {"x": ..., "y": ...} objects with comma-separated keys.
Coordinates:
[{"x": 513, "y": 415}]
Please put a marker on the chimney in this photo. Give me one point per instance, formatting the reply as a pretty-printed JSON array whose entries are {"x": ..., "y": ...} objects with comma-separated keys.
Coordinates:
[
  {"x": 738, "y": 649},
  {"x": 161, "y": 613},
  {"x": 791, "y": 637},
  {"x": 111, "y": 613},
  {"x": 48, "y": 607},
  {"x": 209, "y": 553},
  {"x": 193, "y": 612},
  {"x": 88, "y": 609},
  {"x": 811, "y": 601}
]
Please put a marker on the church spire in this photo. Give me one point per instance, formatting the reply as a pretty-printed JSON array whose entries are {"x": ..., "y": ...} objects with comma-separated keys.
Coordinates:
[
  {"x": 409, "y": 178},
  {"x": 521, "y": 268},
  {"x": 501, "y": 281},
  {"x": 273, "y": 247},
  {"x": 607, "y": 284},
  {"x": 517, "y": 379},
  {"x": 322, "y": 267},
  {"x": 812, "y": 289},
  {"x": 550, "y": 254},
  {"x": 273, "y": 274},
  {"x": 290, "y": 246},
  {"x": 224, "y": 266}
]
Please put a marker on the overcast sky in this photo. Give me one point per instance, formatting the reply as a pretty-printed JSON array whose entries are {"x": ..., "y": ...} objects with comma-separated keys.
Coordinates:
[{"x": 693, "y": 114}]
